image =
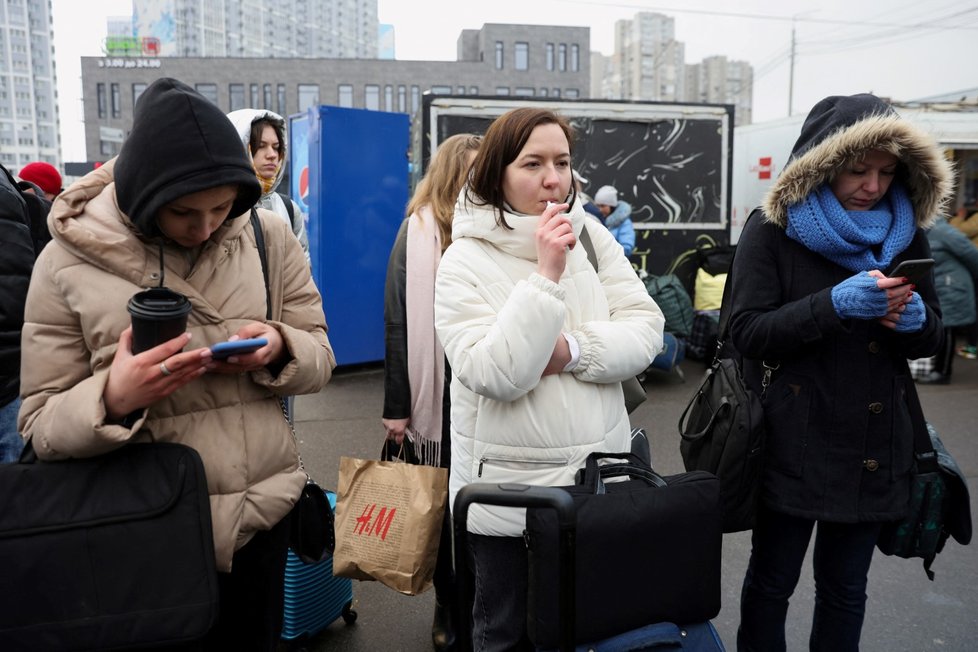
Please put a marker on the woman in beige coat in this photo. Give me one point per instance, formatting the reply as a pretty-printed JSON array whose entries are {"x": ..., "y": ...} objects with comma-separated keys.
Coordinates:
[{"x": 174, "y": 208}]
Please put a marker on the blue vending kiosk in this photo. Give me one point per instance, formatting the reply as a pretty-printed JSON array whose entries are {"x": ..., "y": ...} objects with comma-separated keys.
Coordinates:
[{"x": 350, "y": 176}]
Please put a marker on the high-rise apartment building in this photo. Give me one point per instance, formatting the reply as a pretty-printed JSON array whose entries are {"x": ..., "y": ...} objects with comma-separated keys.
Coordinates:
[
  {"x": 28, "y": 95},
  {"x": 649, "y": 64},
  {"x": 718, "y": 80},
  {"x": 315, "y": 29},
  {"x": 648, "y": 58}
]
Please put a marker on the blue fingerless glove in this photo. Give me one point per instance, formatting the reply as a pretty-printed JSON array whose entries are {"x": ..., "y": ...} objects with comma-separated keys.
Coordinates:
[
  {"x": 914, "y": 317},
  {"x": 858, "y": 297}
]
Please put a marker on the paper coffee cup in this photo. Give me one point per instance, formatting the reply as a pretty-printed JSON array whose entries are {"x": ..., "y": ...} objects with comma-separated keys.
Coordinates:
[{"x": 158, "y": 315}]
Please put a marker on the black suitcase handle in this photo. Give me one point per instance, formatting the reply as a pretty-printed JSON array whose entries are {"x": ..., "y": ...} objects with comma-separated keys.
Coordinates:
[{"x": 517, "y": 495}]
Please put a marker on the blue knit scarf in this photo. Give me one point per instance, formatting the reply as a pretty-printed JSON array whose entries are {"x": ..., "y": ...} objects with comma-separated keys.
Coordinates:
[{"x": 857, "y": 240}]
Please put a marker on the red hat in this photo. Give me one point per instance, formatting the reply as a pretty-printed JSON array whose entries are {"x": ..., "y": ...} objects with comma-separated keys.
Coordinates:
[{"x": 43, "y": 175}]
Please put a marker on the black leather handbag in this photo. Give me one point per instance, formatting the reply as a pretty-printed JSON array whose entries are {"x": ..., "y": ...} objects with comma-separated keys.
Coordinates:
[
  {"x": 108, "y": 552},
  {"x": 722, "y": 430},
  {"x": 648, "y": 550}
]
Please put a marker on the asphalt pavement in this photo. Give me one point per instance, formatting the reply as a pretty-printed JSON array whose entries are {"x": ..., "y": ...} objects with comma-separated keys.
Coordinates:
[{"x": 905, "y": 613}]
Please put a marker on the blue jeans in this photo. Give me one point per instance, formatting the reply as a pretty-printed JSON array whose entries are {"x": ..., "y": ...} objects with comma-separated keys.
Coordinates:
[
  {"x": 11, "y": 443},
  {"x": 499, "y": 569},
  {"x": 843, "y": 553}
]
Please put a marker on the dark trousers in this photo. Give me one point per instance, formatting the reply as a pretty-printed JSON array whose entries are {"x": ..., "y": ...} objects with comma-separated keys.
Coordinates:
[
  {"x": 843, "y": 553},
  {"x": 499, "y": 570},
  {"x": 252, "y": 595}
]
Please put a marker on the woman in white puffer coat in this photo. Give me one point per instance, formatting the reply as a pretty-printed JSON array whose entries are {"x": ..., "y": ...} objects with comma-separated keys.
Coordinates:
[{"x": 538, "y": 342}]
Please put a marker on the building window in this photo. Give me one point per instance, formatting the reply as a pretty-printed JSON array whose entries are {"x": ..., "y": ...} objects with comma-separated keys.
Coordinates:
[
  {"x": 499, "y": 55},
  {"x": 473, "y": 90},
  {"x": 137, "y": 90},
  {"x": 116, "y": 101},
  {"x": 102, "y": 101},
  {"x": 523, "y": 92},
  {"x": 345, "y": 93},
  {"x": 281, "y": 100},
  {"x": 556, "y": 92},
  {"x": 572, "y": 93},
  {"x": 575, "y": 63},
  {"x": 267, "y": 93},
  {"x": 562, "y": 57},
  {"x": 521, "y": 60},
  {"x": 254, "y": 96},
  {"x": 402, "y": 99},
  {"x": 502, "y": 90},
  {"x": 543, "y": 92},
  {"x": 371, "y": 97},
  {"x": 415, "y": 99},
  {"x": 236, "y": 96},
  {"x": 441, "y": 90},
  {"x": 460, "y": 90},
  {"x": 308, "y": 96},
  {"x": 550, "y": 56},
  {"x": 389, "y": 98},
  {"x": 207, "y": 90}
]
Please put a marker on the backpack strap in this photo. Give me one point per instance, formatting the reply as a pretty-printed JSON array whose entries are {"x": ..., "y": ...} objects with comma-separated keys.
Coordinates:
[{"x": 288, "y": 207}]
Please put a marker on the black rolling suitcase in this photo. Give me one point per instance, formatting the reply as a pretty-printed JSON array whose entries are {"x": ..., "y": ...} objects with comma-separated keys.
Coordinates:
[{"x": 662, "y": 636}]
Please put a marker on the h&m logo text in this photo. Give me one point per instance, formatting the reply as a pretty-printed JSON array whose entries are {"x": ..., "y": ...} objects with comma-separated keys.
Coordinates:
[{"x": 380, "y": 525}]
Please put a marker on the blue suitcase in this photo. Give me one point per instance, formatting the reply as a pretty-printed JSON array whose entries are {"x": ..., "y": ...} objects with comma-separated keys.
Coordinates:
[
  {"x": 657, "y": 637},
  {"x": 313, "y": 597}
]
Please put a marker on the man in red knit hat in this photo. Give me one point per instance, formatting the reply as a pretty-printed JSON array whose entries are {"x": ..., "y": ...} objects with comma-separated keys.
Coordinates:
[{"x": 43, "y": 175}]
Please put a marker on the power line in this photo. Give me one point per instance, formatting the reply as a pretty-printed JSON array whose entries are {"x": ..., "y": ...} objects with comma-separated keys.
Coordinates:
[{"x": 731, "y": 14}]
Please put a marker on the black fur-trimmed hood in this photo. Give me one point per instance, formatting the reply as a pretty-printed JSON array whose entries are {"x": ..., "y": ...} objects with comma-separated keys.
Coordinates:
[{"x": 837, "y": 132}]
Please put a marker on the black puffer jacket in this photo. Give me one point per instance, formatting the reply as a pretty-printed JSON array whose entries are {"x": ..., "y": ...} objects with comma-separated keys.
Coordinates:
[
  {"x": 840, "y": 440},
  {"x": 16, "y": 264}
]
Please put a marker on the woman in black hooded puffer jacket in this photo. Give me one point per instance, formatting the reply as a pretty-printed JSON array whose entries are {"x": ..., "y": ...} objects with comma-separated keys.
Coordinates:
[{"x": 811, "y": 299}]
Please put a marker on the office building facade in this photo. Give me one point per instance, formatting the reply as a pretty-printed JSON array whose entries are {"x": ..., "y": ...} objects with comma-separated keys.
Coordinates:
[
  {"x": 519, "y": 60},
  {"x": 28, "y": 86}
]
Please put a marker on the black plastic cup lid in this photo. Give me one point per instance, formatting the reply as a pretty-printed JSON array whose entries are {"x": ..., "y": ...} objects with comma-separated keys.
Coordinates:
[{"x": 157, "y": 303}]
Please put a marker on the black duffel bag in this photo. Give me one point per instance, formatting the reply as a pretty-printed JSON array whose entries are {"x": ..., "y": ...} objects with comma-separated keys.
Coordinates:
[
  {"x": 648, "y": 550},
  {"x": 113, "y": 551}
]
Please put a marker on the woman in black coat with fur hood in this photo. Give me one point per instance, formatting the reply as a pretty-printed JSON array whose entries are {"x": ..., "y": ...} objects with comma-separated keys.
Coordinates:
[{"x": 811, "y": 298}]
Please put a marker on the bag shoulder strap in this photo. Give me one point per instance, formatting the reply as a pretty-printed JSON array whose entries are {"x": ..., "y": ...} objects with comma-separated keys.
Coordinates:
[
  {"x": 289, "y": 208},
  {"x": 263, "y": 255},
  {"x": 727, "y": 292},
  {"x": 922, "y": 447},
  {"x": 585, "y": 240}
]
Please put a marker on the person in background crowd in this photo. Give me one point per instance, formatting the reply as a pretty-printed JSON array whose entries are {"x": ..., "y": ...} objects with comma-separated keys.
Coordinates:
[
  {"x": 617, "y": 216},
  {"x": 44, "y": 176},
  {"x": 416, "y": 378},
  {"x": 956, "y": 277},
  {"x": 538, "y": 342},
  {"x": 812, "y": 303},
  {"x": 262, "y": 133},
  {"x": 966, "y": 221},
  {"x": 586, "y": 200},
  {"x": 180, "y": 218},
  {"x": 15, "y": 274}
]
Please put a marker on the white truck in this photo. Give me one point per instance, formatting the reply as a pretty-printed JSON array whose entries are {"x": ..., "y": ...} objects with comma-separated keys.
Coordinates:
[{"x": 761, "y": 150}]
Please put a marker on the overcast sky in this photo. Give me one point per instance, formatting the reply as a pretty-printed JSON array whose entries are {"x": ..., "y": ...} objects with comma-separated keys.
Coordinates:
[{"x": 913, "y": 49}]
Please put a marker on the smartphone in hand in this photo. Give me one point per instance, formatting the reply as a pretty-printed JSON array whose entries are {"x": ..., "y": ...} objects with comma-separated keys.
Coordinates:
[
  {"x": 913, "y": 270},
  {"x": 223, "y": 350}
]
